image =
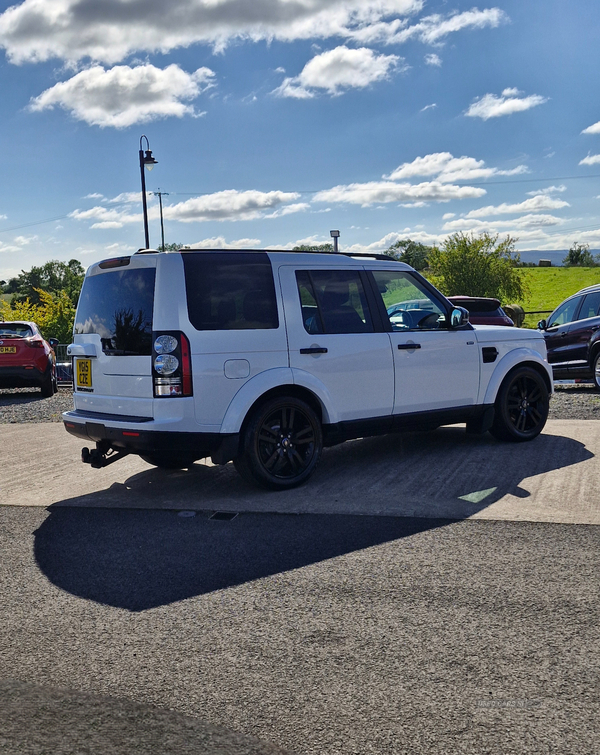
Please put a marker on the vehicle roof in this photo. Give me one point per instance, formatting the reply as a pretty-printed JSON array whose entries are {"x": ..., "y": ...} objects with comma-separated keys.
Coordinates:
[
  {"x": 287, "y": 256},
  {"x": 484, "y": 303},
  {"x": 18, "y": 322}
]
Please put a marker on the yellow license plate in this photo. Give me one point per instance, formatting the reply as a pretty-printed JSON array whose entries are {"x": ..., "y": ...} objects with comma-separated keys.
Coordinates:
[
  {"x": 84, "y": 373},
  {"x": 8, "y": 349}
]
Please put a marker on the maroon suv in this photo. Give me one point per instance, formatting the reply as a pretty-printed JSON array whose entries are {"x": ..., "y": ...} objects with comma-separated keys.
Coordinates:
[
  {"x": 482, "y": 310},
  {"x": 26, "y": 359}
]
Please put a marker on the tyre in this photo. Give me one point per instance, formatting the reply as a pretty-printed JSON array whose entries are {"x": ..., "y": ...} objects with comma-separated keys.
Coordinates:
[
  {"x": 281, "y": 444},
  {"x": 47, "y": 385},
  {"x": 596, "y": 369},
  {"x": 166, "y": 461},
  {"x": 521, "y": 407}
]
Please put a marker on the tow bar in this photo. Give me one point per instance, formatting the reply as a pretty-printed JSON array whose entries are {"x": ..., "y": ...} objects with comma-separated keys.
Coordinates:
[{"x": 101, "y": 456}]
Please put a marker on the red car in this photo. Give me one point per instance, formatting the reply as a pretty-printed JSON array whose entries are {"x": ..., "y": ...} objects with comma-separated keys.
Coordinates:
[
  {"x": 482, "y": 311},
  {"x": 26, "y": 359}
]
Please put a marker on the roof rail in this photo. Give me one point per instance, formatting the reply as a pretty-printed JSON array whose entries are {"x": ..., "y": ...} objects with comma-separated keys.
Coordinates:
[{"x": 367, "y": 255}]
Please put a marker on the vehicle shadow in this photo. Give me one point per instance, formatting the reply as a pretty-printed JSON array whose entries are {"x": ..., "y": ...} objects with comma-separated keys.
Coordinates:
[
  {"x": 138, "y": 560},
  {"x": 367, "y": 492}
]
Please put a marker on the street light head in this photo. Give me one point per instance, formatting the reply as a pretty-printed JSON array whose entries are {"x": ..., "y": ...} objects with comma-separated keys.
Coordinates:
[
  {"x": 334, "y": 234},
  {"x": 149, "y": 161}
]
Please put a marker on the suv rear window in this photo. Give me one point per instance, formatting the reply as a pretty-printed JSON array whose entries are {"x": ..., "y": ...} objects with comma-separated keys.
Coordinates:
[
  {"x": 15, "y": 329},
  {"x": 230, "y": 290},
  {"x": 119, "y": 306}
]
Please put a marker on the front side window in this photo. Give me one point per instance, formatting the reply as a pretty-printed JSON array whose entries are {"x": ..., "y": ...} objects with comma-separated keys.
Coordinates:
[
  {"x": 119, "y": 307},
  {"x": 409, "y": 305},
  {"x": 565, "y": 313},
  {"x": 230, "y": 290},
  {"x": 333, "y": 301},
  {"x": 590, "y": 306}
]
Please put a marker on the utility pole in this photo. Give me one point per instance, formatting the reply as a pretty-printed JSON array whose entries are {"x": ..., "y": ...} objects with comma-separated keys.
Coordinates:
[{"x": 160, "y": 194}]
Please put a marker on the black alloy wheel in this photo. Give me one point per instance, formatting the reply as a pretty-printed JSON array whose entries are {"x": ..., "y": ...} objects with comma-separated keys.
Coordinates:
[
  {"x": 522, "y": 406},
  {"x": 281, "y": 444}
]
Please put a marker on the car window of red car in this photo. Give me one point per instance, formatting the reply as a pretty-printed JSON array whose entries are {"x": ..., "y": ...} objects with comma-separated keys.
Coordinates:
[
  {"x": 22, "y": 331},
  {"x": 590, "y": 306}
]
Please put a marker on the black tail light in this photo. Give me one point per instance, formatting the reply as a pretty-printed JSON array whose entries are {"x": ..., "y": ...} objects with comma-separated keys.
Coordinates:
[{"x": 171, "y": 364}]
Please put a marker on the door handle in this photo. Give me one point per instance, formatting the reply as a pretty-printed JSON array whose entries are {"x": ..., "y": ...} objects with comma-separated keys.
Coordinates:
[
  {"x": 314, "y": 350},
  {"x": 408, "y": 346}
]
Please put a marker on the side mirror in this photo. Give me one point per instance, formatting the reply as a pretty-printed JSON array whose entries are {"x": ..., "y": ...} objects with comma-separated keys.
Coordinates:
[
  {"x": 458, "y": 317},
  {"x": 53, "y": 342},
  {"x": 542, "y": 325}
]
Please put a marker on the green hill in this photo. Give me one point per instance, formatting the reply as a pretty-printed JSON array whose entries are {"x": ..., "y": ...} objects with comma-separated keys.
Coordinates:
[{"x": 548, "y": 286}]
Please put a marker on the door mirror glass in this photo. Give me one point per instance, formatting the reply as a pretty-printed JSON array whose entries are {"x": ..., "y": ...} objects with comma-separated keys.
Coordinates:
[
  {"x": 459, "y": 316},
  {"x": 542, "y": 324},
  {"x": 53, "y": 342}
]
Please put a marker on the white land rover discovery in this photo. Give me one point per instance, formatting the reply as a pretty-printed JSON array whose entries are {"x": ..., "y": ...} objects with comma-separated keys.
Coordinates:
[{"x": 265, "y": 357}]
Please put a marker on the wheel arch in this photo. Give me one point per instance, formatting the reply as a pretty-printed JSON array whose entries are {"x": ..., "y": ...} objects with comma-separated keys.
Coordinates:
[
  {"x": 252, "y": 395},
  {"x": 508, "y": 364}
]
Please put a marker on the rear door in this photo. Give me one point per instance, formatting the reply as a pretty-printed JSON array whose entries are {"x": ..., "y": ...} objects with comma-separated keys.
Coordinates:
[
  {"x": 113, "y": 338},
  {"x": 333, "y": 339}
]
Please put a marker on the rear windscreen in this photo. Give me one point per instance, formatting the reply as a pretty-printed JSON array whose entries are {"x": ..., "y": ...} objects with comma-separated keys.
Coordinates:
[
  {"x": 15, "y": 330},
  {"x": 230, "y": 290},
  {"x": 118, "y": 306}
]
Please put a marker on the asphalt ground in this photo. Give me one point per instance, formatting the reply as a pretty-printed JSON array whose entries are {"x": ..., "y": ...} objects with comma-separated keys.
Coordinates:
[
  {"x": 432, "y": 593},
  {"x": 134, "y": 631}
]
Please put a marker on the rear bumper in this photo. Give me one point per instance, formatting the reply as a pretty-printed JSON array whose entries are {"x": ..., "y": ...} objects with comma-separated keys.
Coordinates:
[
  {"x": 20, "y": 377},
  {"x": 137, "y": 440}
]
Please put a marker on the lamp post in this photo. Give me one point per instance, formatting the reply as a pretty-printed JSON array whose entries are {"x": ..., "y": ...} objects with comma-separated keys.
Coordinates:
[
  {"x": 147, "y": 160},
  {"x": 160, "y": 194},
  {"x": 335, "y": 236}
]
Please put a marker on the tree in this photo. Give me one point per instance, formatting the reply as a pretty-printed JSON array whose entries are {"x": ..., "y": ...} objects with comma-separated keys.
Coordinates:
[
  {"x": 313, "y": 248},
  {"x": 53, "y": 277},
  {"x": 54, "y": 315},
  {"x": 170, "y": 247},
  {"x": 471, "y": 265},
  {"x": 412, "y": 252},
  {"x": 579, "y": 255}
]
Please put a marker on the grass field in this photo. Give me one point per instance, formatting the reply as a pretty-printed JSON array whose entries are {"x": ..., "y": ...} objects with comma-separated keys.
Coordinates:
[{"x": 548, "y": 286}]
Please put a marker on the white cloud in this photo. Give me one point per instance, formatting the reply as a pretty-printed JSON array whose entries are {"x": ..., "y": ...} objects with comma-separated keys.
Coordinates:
[
  {"x": 374, "y": 192},
  {"x": 72, "y": 30},
  {"x": 448, "y": 168},
  {"x": 510, "y": 101},
  {"x": 428, "y": 107},
  {"x": 337, "y": 70},
  {"x": 448, "y": 215},
  {"x": 219, "y": 242},
  {"x": 536, "y": 203},
  {"x": 228, "y": 205},
  {"x": 433, "y": 60},
  {"x": 95, "y": 195},
  {"x": 471, "y": 225},
  {"x": 431, "y": 29},
  {"x": 590, "y": 160},
  {"x": 593, "y": 129},
  {"x": 547, "y": 190},
  {"x": 123, "y": 96}
]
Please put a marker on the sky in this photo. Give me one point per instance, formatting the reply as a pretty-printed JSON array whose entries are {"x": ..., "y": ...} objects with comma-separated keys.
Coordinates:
[{"x": 276, "y": 121}]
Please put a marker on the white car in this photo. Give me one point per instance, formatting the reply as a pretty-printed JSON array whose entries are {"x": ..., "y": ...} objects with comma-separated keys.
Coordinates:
[{"x": 265, "y": 357}]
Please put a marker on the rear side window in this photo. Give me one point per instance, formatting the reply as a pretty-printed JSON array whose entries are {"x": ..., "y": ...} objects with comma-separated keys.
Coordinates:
[
  {"x": 230, "y": 291},
  {"x": 590, "y": 306},
  {"x": 333, "y": 301},
  {"x": 119, "y": 306}
]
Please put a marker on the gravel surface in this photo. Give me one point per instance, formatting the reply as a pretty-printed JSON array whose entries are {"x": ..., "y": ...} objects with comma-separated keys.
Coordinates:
[{"x": 578, "y": 401}]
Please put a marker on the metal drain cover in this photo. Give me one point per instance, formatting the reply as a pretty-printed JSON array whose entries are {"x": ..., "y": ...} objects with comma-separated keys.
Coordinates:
[{"x": 225, "y": 516}]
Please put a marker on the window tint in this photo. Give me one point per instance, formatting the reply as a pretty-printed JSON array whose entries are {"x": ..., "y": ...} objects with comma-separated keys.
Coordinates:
[
  {"x": 409, "y": 305},
  {"x": 333, "y": 301},
  {"x": 565, "y": 313},
  {"x": 119, "y": 306},
  {"x": 590, "y": 306},
  {"x": 16, "y": 329},
  {"x": 230, "y": 290}
]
